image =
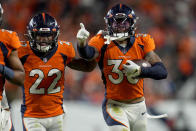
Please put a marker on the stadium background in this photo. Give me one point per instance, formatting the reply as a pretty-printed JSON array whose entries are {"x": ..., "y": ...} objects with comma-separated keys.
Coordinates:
[{"x": 172, "y": 23}]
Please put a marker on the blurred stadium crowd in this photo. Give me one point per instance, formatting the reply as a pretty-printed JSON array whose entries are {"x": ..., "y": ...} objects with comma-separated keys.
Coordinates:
[{"x": 171, "y": 23}]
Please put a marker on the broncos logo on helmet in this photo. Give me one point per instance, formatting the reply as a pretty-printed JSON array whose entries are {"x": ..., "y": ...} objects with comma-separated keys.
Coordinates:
[
  {"x": 43, "y": 25},
  {"x": 120, "y": 21}
]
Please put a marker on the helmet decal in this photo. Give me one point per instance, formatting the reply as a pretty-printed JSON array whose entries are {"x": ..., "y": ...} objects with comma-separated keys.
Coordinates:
[{"x": 44, "y": 18}]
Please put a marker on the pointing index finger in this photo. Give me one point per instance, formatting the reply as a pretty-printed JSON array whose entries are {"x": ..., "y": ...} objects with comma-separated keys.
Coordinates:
[{"x": 82, "y": 26}]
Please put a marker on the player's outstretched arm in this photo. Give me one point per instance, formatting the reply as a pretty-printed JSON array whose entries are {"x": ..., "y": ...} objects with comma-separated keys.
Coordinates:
[
  {"x": 82, "y": 64},
  {"x": 14, "y": 71},
  {"x": 85, "y": 51}
]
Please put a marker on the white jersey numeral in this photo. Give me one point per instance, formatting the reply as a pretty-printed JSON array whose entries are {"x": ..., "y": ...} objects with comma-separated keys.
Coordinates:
[
  {"x": 33, "y": 89},
  {"x": 116, "y": 70},
  {"x": 52, "y": 88}
]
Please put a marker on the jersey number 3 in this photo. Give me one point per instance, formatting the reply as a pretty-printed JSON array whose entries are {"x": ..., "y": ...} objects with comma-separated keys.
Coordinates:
[
  {"x": 116, "y": 70},
  {"x": 52, "y": 88}
]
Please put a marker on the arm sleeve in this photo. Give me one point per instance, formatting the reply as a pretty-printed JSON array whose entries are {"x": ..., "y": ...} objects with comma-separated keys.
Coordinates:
[
  {"x": 7, "y": 72},
  {"x": 86, "y": 52},
  {"x": 157, "y": 71}
]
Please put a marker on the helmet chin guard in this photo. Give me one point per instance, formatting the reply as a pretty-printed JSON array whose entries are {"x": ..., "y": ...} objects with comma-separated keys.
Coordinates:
[{"x": 43, "y": 48}]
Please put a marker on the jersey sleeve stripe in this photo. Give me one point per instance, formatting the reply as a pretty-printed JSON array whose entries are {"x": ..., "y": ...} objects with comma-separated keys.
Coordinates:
[
  {"x": 64, "y": 58},
  {"x": 23, "y": 59},
  {"x": 4, "y": 50}
]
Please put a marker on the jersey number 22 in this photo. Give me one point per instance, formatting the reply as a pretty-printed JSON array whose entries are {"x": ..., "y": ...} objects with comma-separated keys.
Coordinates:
[{"x": 52, "y": 88}]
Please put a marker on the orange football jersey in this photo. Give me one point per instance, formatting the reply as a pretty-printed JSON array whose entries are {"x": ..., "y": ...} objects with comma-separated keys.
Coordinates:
[
  {"x": 8, "y": 42},
  {"x": 112, "y": 57},
  {"x": 44, "y": 80}
]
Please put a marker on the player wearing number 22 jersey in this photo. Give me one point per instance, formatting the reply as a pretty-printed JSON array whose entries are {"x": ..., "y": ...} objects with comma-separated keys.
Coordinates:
[
  {"x": 124, "y": 107},
  {"x": 44, "y": 81},
  {"x": 44, "y": 58}
]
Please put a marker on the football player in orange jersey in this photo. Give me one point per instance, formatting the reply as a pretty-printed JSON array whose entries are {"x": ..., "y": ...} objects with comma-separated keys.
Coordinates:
[
  {"x": 11, "y": 69},
  {"x": 44, "y": 58},
  {"x": 124, "y": 106}
]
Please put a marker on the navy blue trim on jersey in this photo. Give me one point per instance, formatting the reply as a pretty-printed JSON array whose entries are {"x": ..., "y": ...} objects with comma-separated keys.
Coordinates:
[
  {"x": 141, "y": 46},
  {"x": 62, "y": 106},
  {"x": 62, "y": 102},
  {"x": 109, "y": 121},
  {"x": 23, "y": 59},
  {"x": 23, "y": 106},
  {"x": 100, "y": 63},
  {"x": 23, "y": 109},
  {"x": 64, "y": 58},
  {"x": 129, "y": 45},
  {"x": 23, "y": 125},
  {"x": 64, "y": 61},
  {"x": 4, "y": 50}
]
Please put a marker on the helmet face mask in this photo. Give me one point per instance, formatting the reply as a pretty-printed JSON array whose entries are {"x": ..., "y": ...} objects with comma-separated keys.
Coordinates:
[
  {"x": 120, "y": 25},
  {"x": 43, "y": 32},
  {"x": 44, "y": 42},
  {"x": 120, "y": 22}
]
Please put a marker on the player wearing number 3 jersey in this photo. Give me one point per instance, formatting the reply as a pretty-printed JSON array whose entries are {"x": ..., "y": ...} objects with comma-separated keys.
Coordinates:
[
  {"x": 44, "y": 58},
  {"x": 124, "y": 108}
]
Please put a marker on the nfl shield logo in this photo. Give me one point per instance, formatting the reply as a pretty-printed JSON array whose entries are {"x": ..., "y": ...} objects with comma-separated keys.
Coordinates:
[{"x": 45, "y": 59}]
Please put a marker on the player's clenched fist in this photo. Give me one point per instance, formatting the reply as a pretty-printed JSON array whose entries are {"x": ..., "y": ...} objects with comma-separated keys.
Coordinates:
[
  {"x": 131, "y": 69},
  {"x": 82, "y": 35}
]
